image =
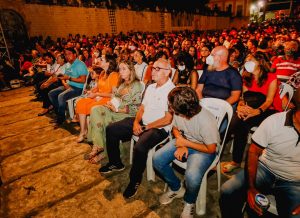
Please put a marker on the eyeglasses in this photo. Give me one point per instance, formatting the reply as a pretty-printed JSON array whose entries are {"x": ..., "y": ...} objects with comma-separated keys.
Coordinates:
[{"x": 159, "y": 68}]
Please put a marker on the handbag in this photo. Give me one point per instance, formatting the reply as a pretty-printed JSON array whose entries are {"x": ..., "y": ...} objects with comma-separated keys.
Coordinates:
[{"x": 254, "y": 99}]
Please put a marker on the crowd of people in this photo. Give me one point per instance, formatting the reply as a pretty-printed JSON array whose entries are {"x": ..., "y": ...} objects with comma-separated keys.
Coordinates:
[{"x": 150, "y": 85}]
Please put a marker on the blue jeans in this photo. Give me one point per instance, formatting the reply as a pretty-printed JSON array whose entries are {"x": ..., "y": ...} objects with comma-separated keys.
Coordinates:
[
  {"x": 59, "y": 97},
  {"x": 197, "y": 164},
  {"x": 234, "y": 193}
]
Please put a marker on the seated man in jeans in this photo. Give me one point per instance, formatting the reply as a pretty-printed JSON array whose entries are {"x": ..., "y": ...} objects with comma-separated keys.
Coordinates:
[
  {"x": 273, "y": 167},
  {"x": 73, "y": 81},
  {"x": 196, "y": 137},
  {"x": 151, "y": 124}
]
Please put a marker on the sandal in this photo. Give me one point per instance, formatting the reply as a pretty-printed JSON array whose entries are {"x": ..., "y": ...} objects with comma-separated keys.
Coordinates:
[
  {"x": 81, "y": 138},
  {"x": 228, "y": 167},
  {"x": 96, "y": 159},
  {"x": 95, "y": 151},
  {"x": 44, "y": 112}
]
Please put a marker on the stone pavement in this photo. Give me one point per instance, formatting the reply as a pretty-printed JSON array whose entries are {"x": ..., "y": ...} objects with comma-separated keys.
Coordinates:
[{"x": 44, "y": 174}]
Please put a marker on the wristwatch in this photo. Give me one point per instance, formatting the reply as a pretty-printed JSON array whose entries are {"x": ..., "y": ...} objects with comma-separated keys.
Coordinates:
[{"x": 143, "y": 128}]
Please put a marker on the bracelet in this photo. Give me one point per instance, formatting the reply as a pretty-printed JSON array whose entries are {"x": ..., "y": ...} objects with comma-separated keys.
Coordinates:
[
  {"x": 260, "y": 110},
  {"x": 70, "y": 78}
]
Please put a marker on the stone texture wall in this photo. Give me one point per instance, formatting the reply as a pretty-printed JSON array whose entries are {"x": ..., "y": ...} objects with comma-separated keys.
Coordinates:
[{"x": 58, "y": 21}]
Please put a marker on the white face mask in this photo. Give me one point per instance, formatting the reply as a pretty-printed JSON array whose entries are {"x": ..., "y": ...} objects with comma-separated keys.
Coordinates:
[
  {"x": 210, "y": 60},
  {"x": 250, "y": 66},
  {"x": 96, "y": 54},
  {"x": 181, "y": 67}
]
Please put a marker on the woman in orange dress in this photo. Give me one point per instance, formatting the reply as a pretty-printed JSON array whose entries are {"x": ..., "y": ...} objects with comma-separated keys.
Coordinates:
[{"x": 108, "y": 80}]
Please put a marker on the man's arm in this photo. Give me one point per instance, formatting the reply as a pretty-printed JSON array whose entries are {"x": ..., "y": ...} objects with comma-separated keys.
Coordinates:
[
  {"x": 80, "y": 79},
  {"x": 234, "y": 97},
  {"x": 254, "y": 152},
  {"x": 137, "y": 128},
  {"x": 166, "y": 120}
]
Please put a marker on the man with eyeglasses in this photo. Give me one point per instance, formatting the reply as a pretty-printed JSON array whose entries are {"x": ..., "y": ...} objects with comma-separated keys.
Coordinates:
[{"x": 151, "y": 125}]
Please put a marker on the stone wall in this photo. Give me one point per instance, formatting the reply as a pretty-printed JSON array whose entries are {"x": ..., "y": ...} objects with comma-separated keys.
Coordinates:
[{"x": 58, "y": 21}]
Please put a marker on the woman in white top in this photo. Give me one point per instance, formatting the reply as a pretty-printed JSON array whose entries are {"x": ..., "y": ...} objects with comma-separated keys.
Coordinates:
[
  {"x": 96, "y": 59},
  {"x": 53, "y": 82},
  {"x": 141, "y": 65}
]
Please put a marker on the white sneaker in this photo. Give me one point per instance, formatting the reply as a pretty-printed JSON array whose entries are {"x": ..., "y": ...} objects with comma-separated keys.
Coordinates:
[
  {"x": 170, "y": 195},
  {"x": 188, "y": 211}
]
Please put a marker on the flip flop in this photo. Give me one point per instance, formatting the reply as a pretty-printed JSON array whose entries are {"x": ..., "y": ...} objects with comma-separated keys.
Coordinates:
[
  {"x": 92, "y": 154},
  {"x": 97, "y": 159}
]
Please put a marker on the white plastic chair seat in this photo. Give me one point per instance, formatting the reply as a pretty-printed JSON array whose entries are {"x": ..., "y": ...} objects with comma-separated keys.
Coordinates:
[
  {"x": 219, "y": 108},
  {"x": 272, "y": 209},
  {"x": 150, "y": 170}
]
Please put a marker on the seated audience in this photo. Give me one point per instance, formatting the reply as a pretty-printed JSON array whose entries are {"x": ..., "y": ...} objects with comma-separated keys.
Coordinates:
[
  {"x": 260, "y": 100},
  {"x": 53, "y": 82},
  {"x": 273, "y": 167},
  {"x": 289, "y": 63},
  {"x": 151, "y": 124},
  {"x": 196, "y": 137},
  {"x": 140, "y": 66},
  {"x": 124, "y": 103},
  {"x": 108, "y": 80},
  {"x": 73, "y": 81},
  {"x": 185, "y": 73},
  {"x": 220, "y": 80}
]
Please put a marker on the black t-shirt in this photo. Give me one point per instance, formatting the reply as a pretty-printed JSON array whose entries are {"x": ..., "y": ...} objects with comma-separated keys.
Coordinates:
[{"x": 219, "y": 84}]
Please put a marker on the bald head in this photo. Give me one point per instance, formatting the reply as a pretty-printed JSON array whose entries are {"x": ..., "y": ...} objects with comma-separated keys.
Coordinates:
[
  {"x": 220, "y": 56},
  {"x": 222, "y": 51}
]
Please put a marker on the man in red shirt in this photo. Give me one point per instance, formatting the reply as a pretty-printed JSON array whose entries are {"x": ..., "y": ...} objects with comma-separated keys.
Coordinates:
[{"x": 288, "y": 64}]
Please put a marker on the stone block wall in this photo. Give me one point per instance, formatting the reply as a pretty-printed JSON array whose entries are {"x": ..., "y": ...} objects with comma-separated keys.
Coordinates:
[{"x": 58, "y": 21}]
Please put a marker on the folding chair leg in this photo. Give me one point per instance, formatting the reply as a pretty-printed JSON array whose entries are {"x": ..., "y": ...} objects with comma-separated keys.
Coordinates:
[
  {"x": 71, "y": 108},
  {"x": 150, "y": 170},
  {"x": 201, "y": 200},
  {"x": 131, "y": 151},
  {"x": 219, "y": 176}
]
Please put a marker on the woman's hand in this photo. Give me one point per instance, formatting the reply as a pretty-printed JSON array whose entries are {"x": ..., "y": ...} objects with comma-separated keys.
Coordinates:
[
  {"x": 110, "y": 107},
  {"x": 181, "y": 152},
  {"x": 92, "y": 95},
  {"x": 251, "y": 112}
]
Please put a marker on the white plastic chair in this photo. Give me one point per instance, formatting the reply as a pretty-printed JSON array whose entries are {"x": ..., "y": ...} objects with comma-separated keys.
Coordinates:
[
  {"x": 272, "y": 208},
  {"x": 219, "y": 108},
  {"x": 149, "y": 168},
  {"x": 71, "y": 102},
  {"x": 286, "y": 89}
]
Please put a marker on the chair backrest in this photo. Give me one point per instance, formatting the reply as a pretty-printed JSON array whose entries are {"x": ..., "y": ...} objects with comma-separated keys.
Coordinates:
[
  {"x": 286, "y": 89},
  {"x": 219, "y": 108},
  {"x": 86, "y": 83},
  {"x": 173, "y": 70}
]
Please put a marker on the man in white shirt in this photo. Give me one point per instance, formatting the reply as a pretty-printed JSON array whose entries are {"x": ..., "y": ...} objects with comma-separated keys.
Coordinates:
[
  {"x": 273, "y": 167},
  {"x": 151, "y": 124}
]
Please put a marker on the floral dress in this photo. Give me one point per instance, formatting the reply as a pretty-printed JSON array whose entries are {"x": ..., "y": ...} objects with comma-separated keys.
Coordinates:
[{"x": 101, "y": 116}]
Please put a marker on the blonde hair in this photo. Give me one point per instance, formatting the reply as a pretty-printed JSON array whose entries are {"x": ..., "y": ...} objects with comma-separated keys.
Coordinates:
[{"x": 132, "y": 77}]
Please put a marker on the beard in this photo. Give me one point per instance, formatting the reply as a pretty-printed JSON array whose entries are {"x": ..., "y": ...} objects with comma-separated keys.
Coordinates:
[{"x": 211, "y": 68}]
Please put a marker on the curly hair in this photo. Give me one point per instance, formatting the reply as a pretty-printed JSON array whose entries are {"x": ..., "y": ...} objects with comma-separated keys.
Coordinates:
[
  {"x": 187, "y": 59},
  {"x": 183, "y": 100},
  {"x": 264, "y": 70}
]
